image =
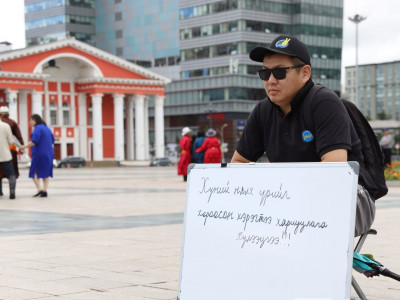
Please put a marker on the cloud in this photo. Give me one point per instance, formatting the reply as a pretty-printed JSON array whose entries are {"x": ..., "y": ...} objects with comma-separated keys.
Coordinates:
[
  {"x": 378, "y": 37},
  {"x": 12, "y": 23}
]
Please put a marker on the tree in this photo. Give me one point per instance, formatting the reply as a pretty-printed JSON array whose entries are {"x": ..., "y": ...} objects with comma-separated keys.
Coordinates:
[{"x": 382, "y": 115}]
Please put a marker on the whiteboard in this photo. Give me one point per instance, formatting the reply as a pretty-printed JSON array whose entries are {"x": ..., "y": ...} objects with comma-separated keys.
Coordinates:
[{"x": 268, "y": 231}]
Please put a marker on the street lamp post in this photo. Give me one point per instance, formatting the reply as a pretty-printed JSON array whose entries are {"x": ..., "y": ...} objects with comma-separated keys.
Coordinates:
[
  {"x": 222, "y": 140},
  {"x": 357, "y": 19},
  {"x": 210, "y": 110}
]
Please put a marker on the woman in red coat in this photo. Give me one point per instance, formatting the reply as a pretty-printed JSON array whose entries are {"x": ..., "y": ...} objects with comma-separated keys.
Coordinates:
[
  {"x": 186, "y": 152},
  {"x": 212, "y": 148}
]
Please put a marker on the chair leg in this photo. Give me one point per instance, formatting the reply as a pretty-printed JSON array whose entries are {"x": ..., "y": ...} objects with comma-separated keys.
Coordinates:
[
  {"x": 357, "y": 249},
  {"x": 362, "y": 239},
  {"x": 357, "y": 288}
]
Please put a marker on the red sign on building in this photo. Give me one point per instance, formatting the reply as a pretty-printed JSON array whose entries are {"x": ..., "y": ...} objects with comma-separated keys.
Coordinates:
[
  {"x": 57, "y": 132},
  {"x": 70, "y": 132}
]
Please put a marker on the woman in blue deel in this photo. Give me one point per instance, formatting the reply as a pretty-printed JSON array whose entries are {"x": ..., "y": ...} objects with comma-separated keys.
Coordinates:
[{"x": 41, "y": 141}]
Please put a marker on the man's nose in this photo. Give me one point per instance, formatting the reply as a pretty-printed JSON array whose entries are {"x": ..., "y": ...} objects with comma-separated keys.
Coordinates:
[{"x": 272, "y": 79}]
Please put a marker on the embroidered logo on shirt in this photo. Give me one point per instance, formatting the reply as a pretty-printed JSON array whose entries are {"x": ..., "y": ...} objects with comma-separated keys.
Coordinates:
[
  {"x": 282, "y": 43},
  {"x": 307, "y": 136}
]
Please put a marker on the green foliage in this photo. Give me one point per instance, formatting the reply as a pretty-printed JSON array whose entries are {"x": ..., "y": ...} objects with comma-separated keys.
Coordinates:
[
  {"x": 392, "y": 172},
  {"x": 382, "y": 115}
]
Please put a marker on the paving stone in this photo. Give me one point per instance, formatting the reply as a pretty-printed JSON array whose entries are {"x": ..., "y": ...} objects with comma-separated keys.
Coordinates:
[{"x": 116, "y": 233}]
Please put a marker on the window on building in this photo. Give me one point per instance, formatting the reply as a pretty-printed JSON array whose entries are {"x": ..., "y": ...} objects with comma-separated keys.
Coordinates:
[
  {"x": 118, "y": 16},
  {"x": 118, "y": 34},
  {"x": 66, "y": 113},
  {"x": 53, "y": 113},
  {"x": 84, "y": 37},
  {"x": 196, "y": 32},
  {"x": 159, "y": 62},
  {"x": 90, "y": 110},
  {"x": 79, "y": 3}
]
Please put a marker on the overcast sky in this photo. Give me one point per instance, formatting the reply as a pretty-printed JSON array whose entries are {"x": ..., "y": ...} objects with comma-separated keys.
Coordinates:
[{"x": 379, "y": 36}]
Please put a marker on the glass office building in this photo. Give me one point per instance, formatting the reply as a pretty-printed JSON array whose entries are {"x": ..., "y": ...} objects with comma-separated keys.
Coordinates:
[
  {"x": 379, "y": 89},
  {"x": 50, "y": 20},
  {"x": 144, "y": 32},
  {"x": 217, "y": 76}
]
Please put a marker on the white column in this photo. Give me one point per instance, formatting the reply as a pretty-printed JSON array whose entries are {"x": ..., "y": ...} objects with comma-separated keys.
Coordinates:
[
  {"x": 129, "y": 129},
  {"x": 159, "y": 126},
  {"x": 139, "y": 126},
  {"x": 119, "y": 127},
  {"x": 63, "y": 142},
  {"x": 59, "y": 105},
  {"x": 146, "y": 129},
  {"x": 97, "y": 126},
  {"x": 23, "y": 115},
  {"x": 72, "y": 111},
  {"x": 83, "y": 142},
  {"x": 46, "y": 102},
  {"x": 37, "y": 103},
  {"x": 12, "y": 104}
]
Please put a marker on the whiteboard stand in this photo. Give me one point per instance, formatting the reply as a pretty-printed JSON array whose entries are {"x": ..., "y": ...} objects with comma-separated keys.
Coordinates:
[{"x": 268, "y": 231}]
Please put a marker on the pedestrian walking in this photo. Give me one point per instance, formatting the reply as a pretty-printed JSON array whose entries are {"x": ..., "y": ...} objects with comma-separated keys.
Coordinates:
[
  {"x": 14, "y": 148},
  {"x": 386, "y": 145},
  {"x": 6, "y": 140},
  {"x": 211, "y": 148},
  {"x": 186, "y": 153},
  {"x": 41, "y": 141},
  {"x": 199, "y": 157}
]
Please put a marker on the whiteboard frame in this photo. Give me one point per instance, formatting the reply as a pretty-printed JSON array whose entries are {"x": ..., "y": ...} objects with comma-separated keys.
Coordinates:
[{"x": 352, "y": 164}]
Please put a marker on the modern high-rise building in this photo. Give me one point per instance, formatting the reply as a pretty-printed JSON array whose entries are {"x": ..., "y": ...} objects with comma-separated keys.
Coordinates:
[
  {"x": 218, "y": 80},
  {"x": 379, "y": 89},
  {"x": 51, "y": 20},
  {"x": 143, "y": 32}
]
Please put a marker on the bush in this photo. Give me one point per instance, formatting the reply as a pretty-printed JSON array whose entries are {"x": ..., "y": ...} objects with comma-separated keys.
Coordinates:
[{"x": 392, "y": 172}]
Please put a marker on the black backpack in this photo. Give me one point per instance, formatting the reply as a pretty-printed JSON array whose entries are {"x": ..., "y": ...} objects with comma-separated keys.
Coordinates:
[{"x": 373, "y": 156}]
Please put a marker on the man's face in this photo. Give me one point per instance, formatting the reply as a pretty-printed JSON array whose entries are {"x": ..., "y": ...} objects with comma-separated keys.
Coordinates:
[{"x": 281, "y": 92}]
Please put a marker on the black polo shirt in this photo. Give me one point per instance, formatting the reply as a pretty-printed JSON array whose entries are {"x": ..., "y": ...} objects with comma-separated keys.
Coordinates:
[{"x": 290, "y": 139}]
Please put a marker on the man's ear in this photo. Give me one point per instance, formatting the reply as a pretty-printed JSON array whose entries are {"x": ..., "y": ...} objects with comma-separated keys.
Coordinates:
[{"x": 306, "y": 73}]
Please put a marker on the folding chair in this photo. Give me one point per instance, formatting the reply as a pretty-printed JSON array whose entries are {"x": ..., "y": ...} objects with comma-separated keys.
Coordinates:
[{"x": 357, "y": 249}]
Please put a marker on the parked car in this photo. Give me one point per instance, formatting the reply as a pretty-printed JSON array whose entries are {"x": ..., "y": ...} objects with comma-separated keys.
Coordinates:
[
  {"x": 55, "y": 163},
  {"x": 72, "y": 161},
  {"x": 161, "y": 162}
]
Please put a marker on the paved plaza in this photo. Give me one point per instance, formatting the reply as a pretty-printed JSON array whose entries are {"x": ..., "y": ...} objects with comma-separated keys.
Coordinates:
[{"x": 116, "y": 233}]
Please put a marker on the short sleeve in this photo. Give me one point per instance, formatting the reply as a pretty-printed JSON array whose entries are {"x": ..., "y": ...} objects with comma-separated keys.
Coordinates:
[
  {"x": 251, "y": 143},
  {"x": 36, "y": 134},
  {"x": 332, "y": 124}
]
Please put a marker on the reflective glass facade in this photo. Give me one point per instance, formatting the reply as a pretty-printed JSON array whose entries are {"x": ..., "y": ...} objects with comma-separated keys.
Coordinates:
[
  {"x": 145, "y": 32},
  {"x": 317, "y": 23},
  {"x": 260, "y": 5},
  {"x": 379, "y": 89},
  {"x": 49, "y": 20}
]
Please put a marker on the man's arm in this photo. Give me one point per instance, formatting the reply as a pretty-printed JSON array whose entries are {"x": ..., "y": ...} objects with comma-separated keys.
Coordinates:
[
  {"x": 237, "y": 158},
  {"x": 338, "y": 155}
]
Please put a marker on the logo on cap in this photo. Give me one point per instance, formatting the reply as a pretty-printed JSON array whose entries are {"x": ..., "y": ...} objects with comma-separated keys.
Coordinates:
[
  {"x": 282, "y": 43},
  {"x": 307, "y": 136}
]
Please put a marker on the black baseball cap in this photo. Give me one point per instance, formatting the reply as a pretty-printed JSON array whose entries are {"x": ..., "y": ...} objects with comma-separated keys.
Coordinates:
[{"x": 283, "y": 44}]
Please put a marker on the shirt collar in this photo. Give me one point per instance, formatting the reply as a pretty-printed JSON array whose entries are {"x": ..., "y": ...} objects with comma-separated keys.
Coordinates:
[{"x": 298, "y": 99}]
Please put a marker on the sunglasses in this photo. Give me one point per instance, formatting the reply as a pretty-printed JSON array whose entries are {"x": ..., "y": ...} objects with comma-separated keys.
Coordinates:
[{"x": 279, "y": 73}]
